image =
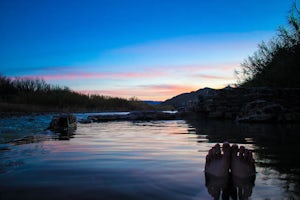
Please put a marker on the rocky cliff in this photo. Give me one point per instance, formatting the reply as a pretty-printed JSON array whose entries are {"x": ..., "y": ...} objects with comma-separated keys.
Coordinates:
[
  {"x": 246, "y": 104},
  {"x": 189, "y": 101}
]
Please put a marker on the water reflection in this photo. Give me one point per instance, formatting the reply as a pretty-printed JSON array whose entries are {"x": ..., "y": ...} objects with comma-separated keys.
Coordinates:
[
  {"x": 66, "y": 134},
  {"x": 276, "y": 148},
  {"x": 229, "y": 187},
  {"x": 119, "y": 160},
  {"x": 145, "y": 160}
]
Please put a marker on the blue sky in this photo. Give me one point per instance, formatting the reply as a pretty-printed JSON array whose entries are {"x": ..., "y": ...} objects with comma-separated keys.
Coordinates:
[{"x": 150, "y": 49}]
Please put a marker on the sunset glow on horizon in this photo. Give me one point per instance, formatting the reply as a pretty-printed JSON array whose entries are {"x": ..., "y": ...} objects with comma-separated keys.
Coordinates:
[{"x": 151, "y": 50}]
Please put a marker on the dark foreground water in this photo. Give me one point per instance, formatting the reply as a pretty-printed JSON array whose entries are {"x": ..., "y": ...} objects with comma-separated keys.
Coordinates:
[{"x": 139, "y": 160}]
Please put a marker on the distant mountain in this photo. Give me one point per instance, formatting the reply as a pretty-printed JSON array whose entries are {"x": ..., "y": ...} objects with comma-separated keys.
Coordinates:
[
  {"x": 153, "y": 102},
  {"x": 182, "y": 99}
]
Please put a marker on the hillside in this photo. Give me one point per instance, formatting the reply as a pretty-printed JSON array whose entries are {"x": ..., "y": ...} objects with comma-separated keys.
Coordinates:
[
  {"x": 35, "y": 95},
  {"x": 182, "y": 100}
]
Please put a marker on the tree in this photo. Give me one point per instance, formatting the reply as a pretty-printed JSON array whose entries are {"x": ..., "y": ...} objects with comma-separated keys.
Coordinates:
[{"x": 276, "y": 63}]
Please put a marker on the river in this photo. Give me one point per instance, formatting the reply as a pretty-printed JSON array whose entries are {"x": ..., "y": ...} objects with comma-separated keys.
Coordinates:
[{"x": 139, "y": 160}]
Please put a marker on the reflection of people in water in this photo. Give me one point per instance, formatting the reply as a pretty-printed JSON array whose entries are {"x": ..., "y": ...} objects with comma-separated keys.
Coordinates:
[{"x": 230, "y": 172}]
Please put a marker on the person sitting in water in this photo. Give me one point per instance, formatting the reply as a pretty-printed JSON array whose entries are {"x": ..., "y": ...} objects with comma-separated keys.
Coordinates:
[{"x": 230, "y": 171}]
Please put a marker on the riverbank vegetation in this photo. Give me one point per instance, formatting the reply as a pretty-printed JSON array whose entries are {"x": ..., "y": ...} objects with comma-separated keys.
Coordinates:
[
  {"x": 276, "y": 63},
  {"x": 35, "y": 95}
]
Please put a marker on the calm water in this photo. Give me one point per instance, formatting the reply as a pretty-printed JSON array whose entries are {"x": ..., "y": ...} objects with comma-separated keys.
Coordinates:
[{"x": 139, "y": 160}]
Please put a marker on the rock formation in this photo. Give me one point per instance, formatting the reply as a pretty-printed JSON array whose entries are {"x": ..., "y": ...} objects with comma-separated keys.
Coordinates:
[{"x": 247, "y": 104}]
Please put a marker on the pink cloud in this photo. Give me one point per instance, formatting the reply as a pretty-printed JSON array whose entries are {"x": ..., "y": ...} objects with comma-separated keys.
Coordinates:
[
  {"x": 66, "y": 73},
  {"x": 114, "y": 93},
  {"x": 206, "y": 76},
  {"x": 169, "y": 88},
  {"x": 144, "y": 92},
  {"x": 146, "y": 82},
  {"x": 197, "y": 68},
  {"x": 95, "y": 75}
]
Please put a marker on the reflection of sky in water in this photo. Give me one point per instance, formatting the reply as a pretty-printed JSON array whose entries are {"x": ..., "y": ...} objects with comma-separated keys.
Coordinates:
[
  {"x": 18, "y": 127},
  {"x": 133, "y": 160}
]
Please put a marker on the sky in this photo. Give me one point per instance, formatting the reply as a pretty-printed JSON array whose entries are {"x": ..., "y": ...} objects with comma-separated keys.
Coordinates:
[{"x": 148, "y": 49}]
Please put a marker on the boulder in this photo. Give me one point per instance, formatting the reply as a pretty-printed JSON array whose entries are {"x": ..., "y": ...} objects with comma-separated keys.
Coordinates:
[
  {"x": 133, "y": 116},
  {"x": 248, "y": 104},
  {"x": 261, "y": 111}
]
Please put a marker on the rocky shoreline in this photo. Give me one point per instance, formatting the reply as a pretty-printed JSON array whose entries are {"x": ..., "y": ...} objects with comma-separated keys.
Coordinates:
[
  {"x": 252, "y": 105},
  {"x": 246, "y": 104},
  {"x": 133, "y": 116}
]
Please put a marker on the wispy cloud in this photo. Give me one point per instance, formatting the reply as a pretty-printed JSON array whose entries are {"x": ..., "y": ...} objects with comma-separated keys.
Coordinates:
[
  {"x": 149, "y": 92},
  {"x": 147, "y": 82},
  {"x": 188, "y": 70},
  {"x": 63, "y": 75},
  {"x": 107, "y": 92},
  {"x": 168, "y": 88},
  {"x": 207, "y": 76},
  {"x": 205, "y": 44},
  {"x": 205, "y": 67}
]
